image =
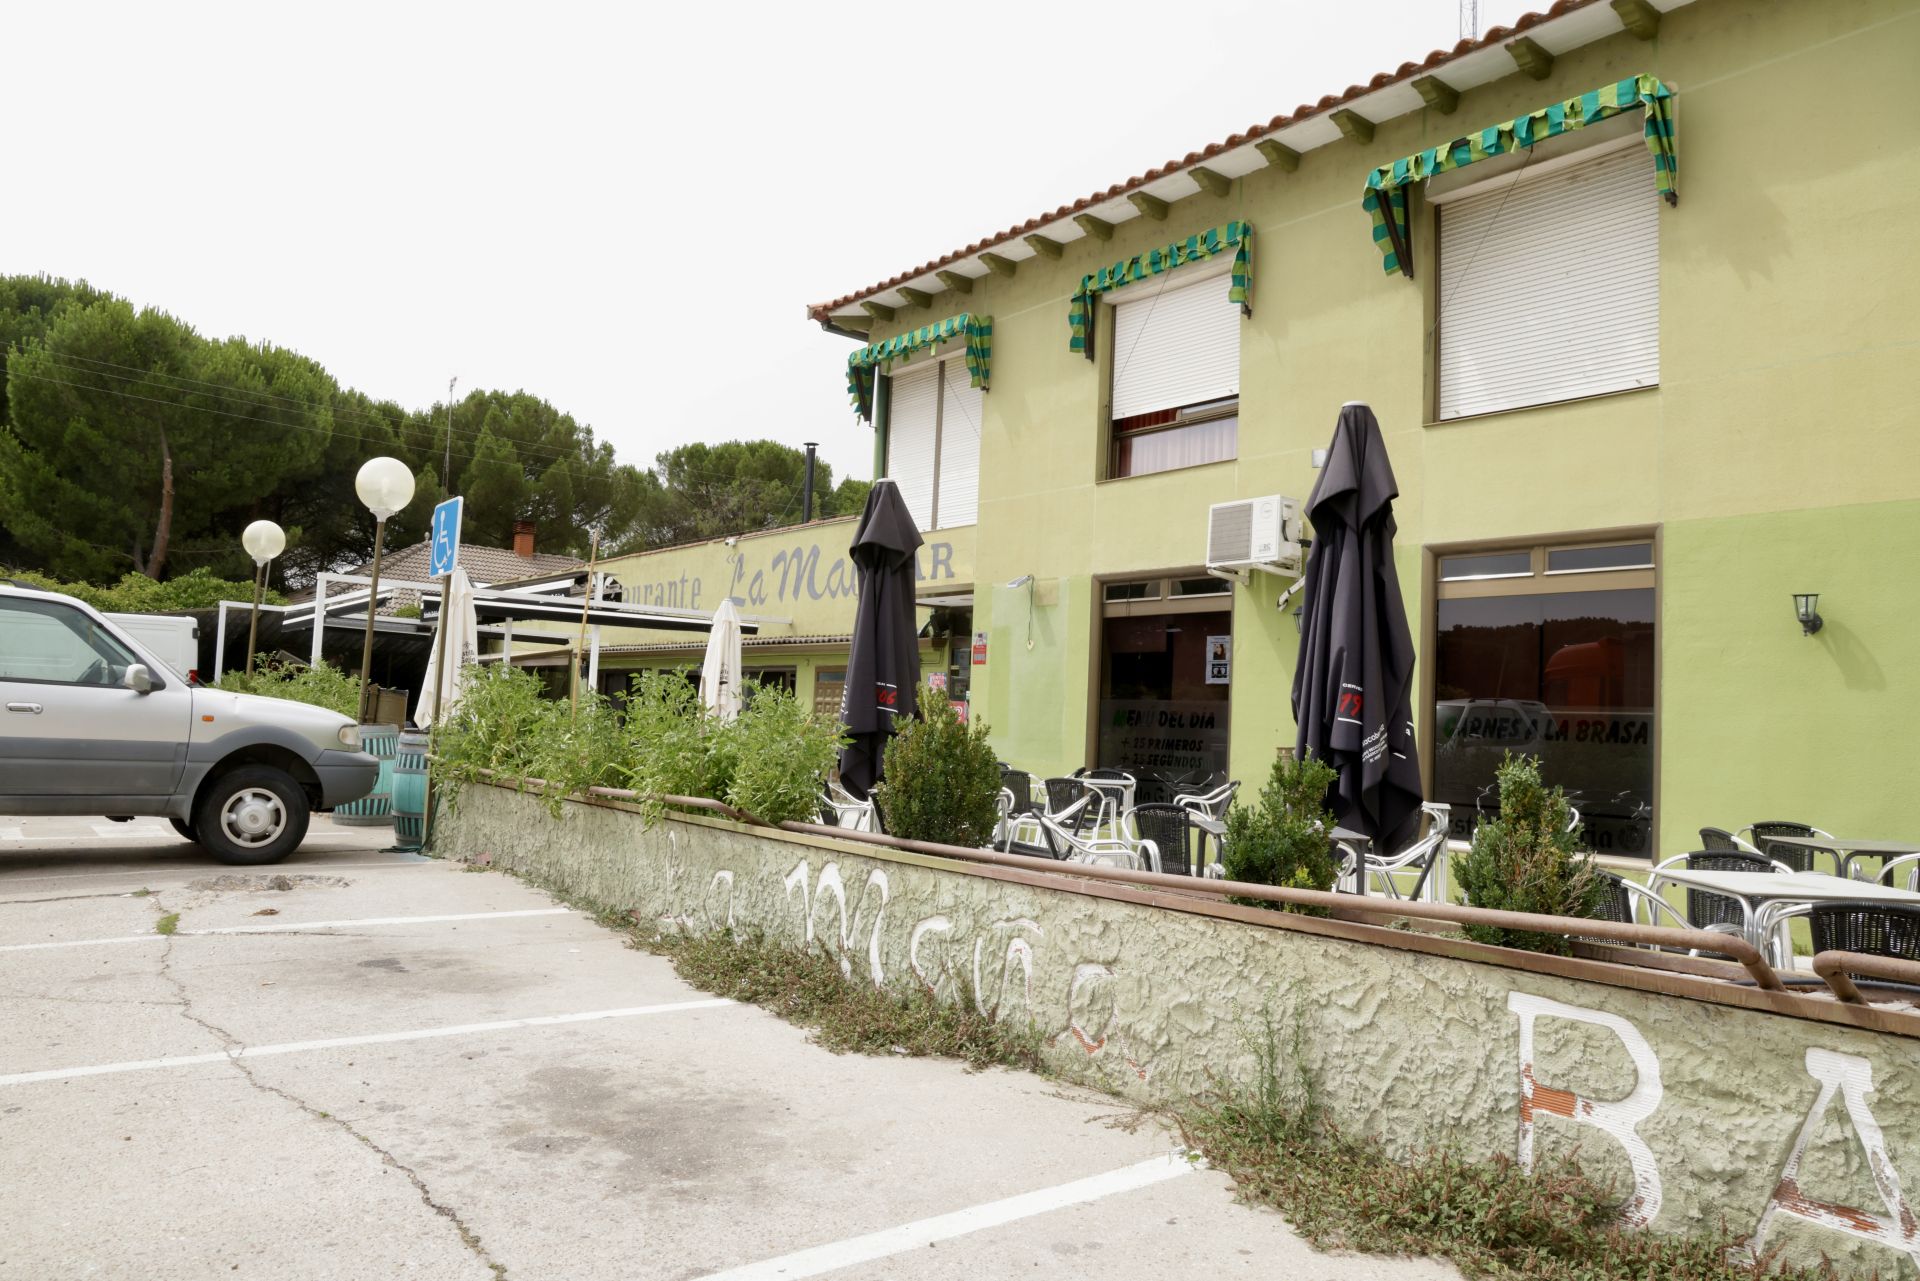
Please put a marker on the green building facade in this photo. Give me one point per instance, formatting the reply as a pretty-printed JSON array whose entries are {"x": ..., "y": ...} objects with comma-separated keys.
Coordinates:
[{"x": 1625, "y": 429}]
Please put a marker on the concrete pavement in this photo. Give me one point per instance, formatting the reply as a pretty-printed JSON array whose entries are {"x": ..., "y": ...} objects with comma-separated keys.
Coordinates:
[{"x": 356, "y": 1064}]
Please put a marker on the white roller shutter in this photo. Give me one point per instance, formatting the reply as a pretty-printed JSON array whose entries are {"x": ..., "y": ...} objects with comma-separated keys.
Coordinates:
[
  {"x": 1550, "y": 287},
  {"x": 1181, "y": 347},
  {"x": 910, "y": 431},
  {"x": 960, "y": 409}
]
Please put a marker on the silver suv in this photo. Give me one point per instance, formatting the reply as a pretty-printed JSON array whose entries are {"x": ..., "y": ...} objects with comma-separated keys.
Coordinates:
[{"x": 95, "y": 724}]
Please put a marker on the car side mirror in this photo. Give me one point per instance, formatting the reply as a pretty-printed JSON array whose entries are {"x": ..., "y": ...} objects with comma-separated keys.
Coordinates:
[{"x": 138, "y": 678}]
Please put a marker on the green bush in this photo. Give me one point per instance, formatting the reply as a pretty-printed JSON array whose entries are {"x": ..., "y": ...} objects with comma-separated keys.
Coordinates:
[
  {"x": 138, "y": 594},
  {"x": 323, "y": 685},
  {"x": 941, "y": 780},
  {"x": 677, "y": 748},
  {"x": 783, "y": 753},
  {"x": 1526, "y": 860},
  {"x": 1284, "y": 840},
  {"x": 771, "y": 761}
]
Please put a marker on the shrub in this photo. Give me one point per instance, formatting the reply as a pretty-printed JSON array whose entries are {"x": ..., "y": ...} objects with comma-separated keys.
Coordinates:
[
  {"x": 1284, "y": 840},
  {"x": 782, "y": 756},
  {"x": 493, "y": 726},
  {"x": 1526, "y": 860},
  {"x": 138, "y": 594},
  {"x": 322, "y": 685},
  {"x": 941, "y": 780},
  {"x": 675, "y": 748}
]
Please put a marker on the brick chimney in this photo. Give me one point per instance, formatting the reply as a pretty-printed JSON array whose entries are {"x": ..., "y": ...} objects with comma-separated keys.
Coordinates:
[{"x": 523, "y": 539}]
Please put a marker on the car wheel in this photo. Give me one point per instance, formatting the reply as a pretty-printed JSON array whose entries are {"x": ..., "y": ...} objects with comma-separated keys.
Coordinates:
[
  {"x": 251, "y": 815},
  {"x": 185, "y": 829}
]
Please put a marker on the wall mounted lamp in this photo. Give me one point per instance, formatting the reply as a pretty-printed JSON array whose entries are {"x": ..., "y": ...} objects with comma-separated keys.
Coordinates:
[{"x": 1806, "y": 608}]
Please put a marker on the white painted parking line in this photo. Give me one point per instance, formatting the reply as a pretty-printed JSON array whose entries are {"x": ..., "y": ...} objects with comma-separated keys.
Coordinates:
[
  {"x": 121, "y": 832},
  {"x": 283, "y": 927},
  {"x": 340, "y": 1042},
  {"x": 832, "y": 1257},
  {"x": 11, "y": 834},
  {"x": 8, "y": 879}
]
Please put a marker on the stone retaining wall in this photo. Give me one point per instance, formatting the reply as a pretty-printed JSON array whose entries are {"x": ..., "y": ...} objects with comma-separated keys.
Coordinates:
[{"x": 1797, "y": 1131}]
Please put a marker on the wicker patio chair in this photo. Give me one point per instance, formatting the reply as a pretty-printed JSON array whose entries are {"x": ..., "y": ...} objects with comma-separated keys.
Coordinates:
[{"x": 1172, "y": 831}]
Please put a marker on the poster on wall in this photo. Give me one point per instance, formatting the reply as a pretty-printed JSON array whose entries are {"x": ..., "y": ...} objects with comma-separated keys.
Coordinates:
[
  {"x": 979, "y": 648},
  {"x": 936, "y": 680},
  {"x": 1219, "y": 660}
]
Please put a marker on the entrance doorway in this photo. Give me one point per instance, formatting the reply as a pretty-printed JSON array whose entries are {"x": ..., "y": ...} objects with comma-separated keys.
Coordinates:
[{"x": 1166, "y": 673}]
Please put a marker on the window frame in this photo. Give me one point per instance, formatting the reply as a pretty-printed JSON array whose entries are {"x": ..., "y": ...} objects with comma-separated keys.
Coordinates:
[
  {"x": 1112, "y": 433},
  {"x": 1539, "y": 583}
]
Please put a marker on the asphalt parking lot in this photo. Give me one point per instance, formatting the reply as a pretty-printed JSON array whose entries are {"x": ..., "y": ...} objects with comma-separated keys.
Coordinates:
[{"x": 359, "y": 1064}]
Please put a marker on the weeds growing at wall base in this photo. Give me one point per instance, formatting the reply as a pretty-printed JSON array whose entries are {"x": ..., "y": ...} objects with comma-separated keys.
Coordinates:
[
  {"x": 845, "y": 1015},
  {"x": 1490, "y": 1218}
]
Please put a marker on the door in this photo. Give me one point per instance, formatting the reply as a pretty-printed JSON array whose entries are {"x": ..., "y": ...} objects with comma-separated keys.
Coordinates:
[{"x": 69, "y": 727}]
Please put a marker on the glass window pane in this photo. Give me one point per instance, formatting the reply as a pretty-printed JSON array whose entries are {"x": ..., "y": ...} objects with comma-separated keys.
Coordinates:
[
  {"x": 1133, "y": 591},
  {"x": 1565, "y": 677},
  {"x": 1190, "y": 446},
  {"x": 48, "y": 641},
  {"x": 1202, "y": 587},
  {"x": 1486, "y": 565},
  {"x": 1571, "y": 560}
]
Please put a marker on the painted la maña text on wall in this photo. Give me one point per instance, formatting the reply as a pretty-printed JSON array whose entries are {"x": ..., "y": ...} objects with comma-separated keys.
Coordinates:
[{"x": 799, "y": 572}]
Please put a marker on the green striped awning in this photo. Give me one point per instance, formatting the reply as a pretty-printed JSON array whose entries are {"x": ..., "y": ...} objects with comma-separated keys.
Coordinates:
[
  {"x": 1237, "y": 236},
  {"x": 1386, "y": 196},
  {"x": 864, "y": 365}
]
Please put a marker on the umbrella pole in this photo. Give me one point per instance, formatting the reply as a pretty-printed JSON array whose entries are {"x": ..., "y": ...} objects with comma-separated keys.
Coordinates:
[{"x": 580, "y": 642}]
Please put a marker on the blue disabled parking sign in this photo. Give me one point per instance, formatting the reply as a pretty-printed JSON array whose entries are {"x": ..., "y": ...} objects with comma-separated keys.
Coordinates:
[{"x": 445, "y": 551}]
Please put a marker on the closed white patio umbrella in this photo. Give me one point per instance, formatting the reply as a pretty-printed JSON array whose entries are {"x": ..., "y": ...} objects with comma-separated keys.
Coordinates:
[
  {"x": 720, "y": 673},
  {"x": 462, "y": 649}
]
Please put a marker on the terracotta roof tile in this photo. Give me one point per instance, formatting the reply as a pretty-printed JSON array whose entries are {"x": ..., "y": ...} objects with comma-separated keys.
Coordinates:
[{"x": 1406, "y": 70}]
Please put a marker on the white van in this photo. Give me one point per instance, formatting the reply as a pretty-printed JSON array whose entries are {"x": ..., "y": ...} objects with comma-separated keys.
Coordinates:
[{"x": 175, "y": 641}]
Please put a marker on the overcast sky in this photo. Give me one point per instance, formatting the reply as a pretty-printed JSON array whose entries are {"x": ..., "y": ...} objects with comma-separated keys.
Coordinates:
[{"x": 621, "y": 208}]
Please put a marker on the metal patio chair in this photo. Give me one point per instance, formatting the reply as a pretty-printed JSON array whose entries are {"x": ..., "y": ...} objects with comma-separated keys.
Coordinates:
[
  {"x": 1087, "y": 846},
  {"x": 1115, "y": 789},
  {"x": 1754, "y": 836},
  {"x": 1907, "y": 865},
  {"x": 1173, "y": 833},
  {"x": 841, "y": 808},
  {"x": 1870, "y": 927},
  {"x": 1705, "y": 908},
  {"x": 1719, "y": 840},
  {"x": 1428, "y": 853},
  {"x": 1019, "y": 785},
  {"x": 1624, "y": 902}
]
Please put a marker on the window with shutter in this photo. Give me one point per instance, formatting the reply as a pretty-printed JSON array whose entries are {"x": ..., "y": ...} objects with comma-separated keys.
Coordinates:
[
  {"x": 1176, "y": 378},
  {"x": 912, "y": 429},
  {"x": 961, "y": 404},
  {"x": 933, "y": 443},
  {"x": 1549, "y": 286}
]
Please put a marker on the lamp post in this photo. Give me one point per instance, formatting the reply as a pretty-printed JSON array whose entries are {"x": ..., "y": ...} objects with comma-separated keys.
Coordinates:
[
  {"x": 385, "y": 485},
  {"x": 263, "y": 540}
]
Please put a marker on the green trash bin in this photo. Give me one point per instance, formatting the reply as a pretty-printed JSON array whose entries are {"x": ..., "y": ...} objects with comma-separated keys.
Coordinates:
[
  {"x": 375, "y": 809},
  {"x": 410, "y": 790}
]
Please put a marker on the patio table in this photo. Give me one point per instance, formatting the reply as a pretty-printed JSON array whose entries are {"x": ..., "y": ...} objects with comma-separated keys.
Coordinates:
[
  {"x": 1849, "y": 850},
  {"x": 1762, "y": 894}
]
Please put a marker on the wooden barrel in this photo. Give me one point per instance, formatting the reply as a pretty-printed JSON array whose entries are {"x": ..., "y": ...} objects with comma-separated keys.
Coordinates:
[
  {"x": 375, "y": 809},
  {"x": 410, "y": 790}
]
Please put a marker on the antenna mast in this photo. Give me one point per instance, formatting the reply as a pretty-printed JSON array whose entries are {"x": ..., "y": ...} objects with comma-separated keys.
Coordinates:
[{"x": 1469, "y": 19}]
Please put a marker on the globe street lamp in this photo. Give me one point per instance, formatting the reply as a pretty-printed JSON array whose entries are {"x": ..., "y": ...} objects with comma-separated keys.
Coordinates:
[
  {"x": 385, "y": 485},
  {"x": 263, "y": 540}
]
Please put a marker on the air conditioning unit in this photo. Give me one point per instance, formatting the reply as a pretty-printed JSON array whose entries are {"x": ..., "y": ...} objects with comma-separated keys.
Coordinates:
[{"x": 1254, "y": 533}]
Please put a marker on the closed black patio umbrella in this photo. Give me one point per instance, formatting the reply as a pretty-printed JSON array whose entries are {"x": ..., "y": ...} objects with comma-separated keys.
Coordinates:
[
  {"x": 1353, "y": 689},
  {"x": 883, "y": 667}
]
